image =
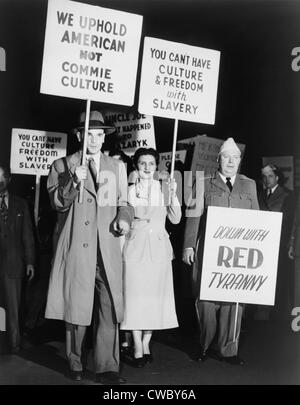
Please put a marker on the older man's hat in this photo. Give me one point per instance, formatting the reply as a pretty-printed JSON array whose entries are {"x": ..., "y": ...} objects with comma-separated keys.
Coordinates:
[
  {"x": 229, "y": 146},
  {"x": 96, "y": 122}
]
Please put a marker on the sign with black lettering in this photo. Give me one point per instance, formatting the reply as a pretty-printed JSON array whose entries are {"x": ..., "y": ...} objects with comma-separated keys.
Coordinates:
[
  {"x": 90, "y": 52},
  {"x": 179, "y": 81},
  {"x": 165, "y": 159},
  {"x": 133, "y": 130},
  {"x": 32, "y": 152},
  {"x": 240, "y": 255}
]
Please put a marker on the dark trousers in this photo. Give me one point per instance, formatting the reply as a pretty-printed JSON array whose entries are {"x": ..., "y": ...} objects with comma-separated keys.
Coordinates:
[
  {"x": 215, "y": 317},
  {"x": 11, "y": 288},
  {"x": 106, "y": 337}
]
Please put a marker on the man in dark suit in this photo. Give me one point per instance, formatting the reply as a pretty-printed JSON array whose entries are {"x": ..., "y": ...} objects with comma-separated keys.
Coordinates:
[
  {"x": 294, "y": 254},
  {"x": 17, "y": 255},
  {"x": 274, "y": 197},
  {"x": 226, "y": 188},
  {"x": 87, "y": 276}
]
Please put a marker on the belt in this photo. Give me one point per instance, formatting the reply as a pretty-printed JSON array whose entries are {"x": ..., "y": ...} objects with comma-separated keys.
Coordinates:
[{"x": 142, "y": 219}]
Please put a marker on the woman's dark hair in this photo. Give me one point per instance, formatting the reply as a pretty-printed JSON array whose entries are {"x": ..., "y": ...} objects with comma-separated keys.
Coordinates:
[{"x": 145, "y": 151}]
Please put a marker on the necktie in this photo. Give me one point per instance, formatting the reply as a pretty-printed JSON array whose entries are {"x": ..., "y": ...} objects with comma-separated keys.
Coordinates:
[
  {"x": 93, "y": 170},
  {"x": 228, "y": 183},
  {"x": 3, "y": 208},
  {"x": 269, "y": 194}
]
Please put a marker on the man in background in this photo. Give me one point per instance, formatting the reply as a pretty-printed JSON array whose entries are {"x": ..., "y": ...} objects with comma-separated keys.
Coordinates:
[
  {"x": 17, "y": 255},
  {"x": 275, "y": 197}
]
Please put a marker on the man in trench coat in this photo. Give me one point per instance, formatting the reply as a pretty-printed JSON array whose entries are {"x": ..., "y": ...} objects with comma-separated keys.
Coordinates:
[
  {"x": 226, "y": 188},
  {"x": 86, "y": 278}
]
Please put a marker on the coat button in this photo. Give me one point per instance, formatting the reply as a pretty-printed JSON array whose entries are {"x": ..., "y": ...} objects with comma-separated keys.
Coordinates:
[
  {"x": 87, "y": 222},
  {"x": 85, "y": 245},
  {"x": 89, "y": 200}
]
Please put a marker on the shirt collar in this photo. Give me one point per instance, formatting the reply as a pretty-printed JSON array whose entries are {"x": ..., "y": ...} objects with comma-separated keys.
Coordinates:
[
  {"x": 274, "y": 188},
  {"x": 96, "y": 158},
  {"x": 232, "y": 179}
]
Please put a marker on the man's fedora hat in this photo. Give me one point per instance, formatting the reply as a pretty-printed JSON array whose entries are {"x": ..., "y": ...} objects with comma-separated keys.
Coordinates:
[{"x": 96, "y": 122}]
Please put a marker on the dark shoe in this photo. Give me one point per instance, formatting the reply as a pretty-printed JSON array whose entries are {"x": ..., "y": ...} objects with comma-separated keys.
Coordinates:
[
  {"x": 138, "y": 362},
  {"x": 109, "y": 378},
  {"x": 148, "y": 358},
  {"x": 234, "y": 360},
  {"x": 76, "y": 375},
  {"x": 125, "y": 352},
  {"x": 201, "y": 355}
]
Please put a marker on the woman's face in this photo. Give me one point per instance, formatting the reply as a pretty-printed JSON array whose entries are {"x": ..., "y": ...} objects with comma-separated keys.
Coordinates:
[{"x": 146, "y": 166}]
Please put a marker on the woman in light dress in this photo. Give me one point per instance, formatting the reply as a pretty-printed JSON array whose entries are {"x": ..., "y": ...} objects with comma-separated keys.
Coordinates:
[{"x": 148, "y": 280}]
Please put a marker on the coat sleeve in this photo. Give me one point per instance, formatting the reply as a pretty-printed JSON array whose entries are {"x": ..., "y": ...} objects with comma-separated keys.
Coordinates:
[
  {"x": 125, "y": 211},
  {"x": 60, "y": 186},
  {"x": 174, "y": 212},
  {"x": 27, "y": 237}
]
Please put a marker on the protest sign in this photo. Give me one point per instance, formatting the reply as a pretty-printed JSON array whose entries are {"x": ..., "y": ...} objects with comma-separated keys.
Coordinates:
[
  {"x": 90, "y": 52},
  {"x": 286, "y": 166},
  {"x": 133, "y": 130},
  {"x": 179, "y": 81},
  {"x": 240, "y": 255},
  {"x": 32, "y": 152},
  {"x": 165, "y": 159}
]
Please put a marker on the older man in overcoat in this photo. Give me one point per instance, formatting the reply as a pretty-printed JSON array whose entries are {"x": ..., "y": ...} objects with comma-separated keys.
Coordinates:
[
  {"x": 86, "y": 277},
  {"x": 225, "y": 188}
]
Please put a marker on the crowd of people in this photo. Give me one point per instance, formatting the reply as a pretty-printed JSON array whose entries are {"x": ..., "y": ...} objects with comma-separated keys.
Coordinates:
[{"x": 112, "y": 257}]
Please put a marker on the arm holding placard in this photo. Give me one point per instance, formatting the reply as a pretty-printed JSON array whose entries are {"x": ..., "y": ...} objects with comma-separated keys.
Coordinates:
[
  {"x": 174, "y": 208},
  {"x": 62, "y": 184}
]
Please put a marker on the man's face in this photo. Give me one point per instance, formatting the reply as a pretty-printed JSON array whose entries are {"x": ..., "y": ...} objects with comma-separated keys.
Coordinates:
[
  {"x": 229, "y": 162},
  {"x": 4, "y": 181},
  {"x": 95, "y": 139},
  {"x": 269, "y": 178}
]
